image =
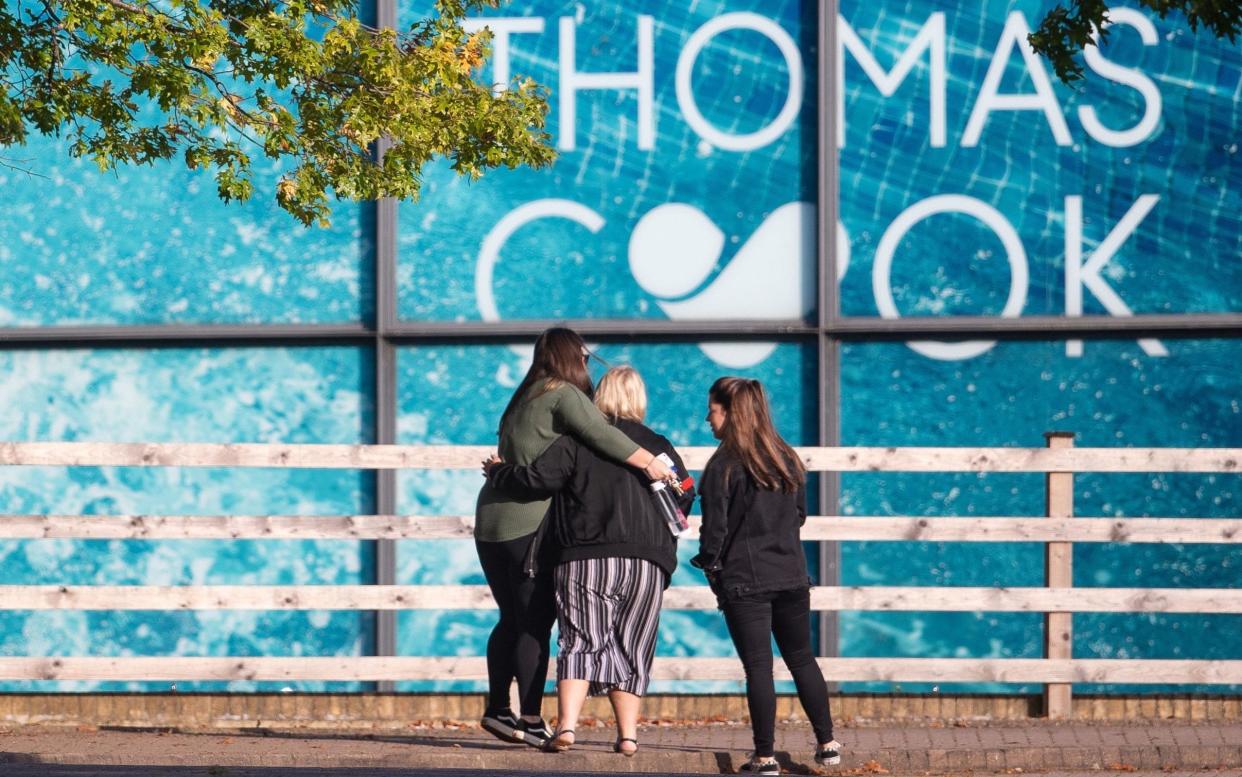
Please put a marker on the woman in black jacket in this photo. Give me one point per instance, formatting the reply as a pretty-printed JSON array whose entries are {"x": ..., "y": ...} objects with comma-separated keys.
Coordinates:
[
  {"x": 614, "y": 554},
  {"x": 754, "y": 504}
]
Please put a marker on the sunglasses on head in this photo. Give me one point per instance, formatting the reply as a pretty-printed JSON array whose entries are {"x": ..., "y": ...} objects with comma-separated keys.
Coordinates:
[{"x": 589, "y": 356}]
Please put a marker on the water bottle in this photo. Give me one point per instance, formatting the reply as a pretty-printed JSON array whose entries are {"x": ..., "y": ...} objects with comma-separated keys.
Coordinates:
[{"x": 665, "y": 500}]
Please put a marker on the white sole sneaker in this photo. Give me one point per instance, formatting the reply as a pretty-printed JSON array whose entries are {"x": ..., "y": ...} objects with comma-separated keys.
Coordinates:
[
  {"x": 503, "y": 727},
  {"x": 829, "y": 754},
  {"x": 767, "y": 769}
]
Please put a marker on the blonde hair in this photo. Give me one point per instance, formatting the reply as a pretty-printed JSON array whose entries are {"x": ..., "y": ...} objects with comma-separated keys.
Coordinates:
[{"x": 621, "y": 393}]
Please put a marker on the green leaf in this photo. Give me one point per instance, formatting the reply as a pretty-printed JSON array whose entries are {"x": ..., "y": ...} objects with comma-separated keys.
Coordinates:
[{"x": 304, "y": 81}]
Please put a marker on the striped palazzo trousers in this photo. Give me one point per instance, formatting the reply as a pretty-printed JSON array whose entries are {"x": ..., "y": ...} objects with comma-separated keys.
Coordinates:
[{"x": 608, "y": 610}]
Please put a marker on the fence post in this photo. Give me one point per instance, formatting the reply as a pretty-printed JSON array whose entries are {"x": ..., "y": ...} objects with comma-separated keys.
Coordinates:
[{"x": 1058, "y": 573}]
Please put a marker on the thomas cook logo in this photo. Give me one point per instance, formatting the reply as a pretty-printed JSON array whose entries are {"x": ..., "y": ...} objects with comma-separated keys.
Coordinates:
[
  {"x": 674, "y": 252},
  {"x": 677, "y": 255}
]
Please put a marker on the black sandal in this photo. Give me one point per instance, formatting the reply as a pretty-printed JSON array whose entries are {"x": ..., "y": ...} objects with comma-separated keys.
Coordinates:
[
  {"x": 616, "y": 748},
  {"x": 558, "y": 745}
]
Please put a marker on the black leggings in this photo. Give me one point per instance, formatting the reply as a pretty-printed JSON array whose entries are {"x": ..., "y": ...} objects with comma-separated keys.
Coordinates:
[
  {"x": 785, "y": 615},
  {"x": 518, "y": 646}
]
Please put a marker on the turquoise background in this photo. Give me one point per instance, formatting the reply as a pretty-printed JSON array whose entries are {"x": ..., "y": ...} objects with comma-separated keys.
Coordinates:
[
  {"x": 1181, "y": 259},
  {"x": 155, "y": 246},
  {"x": 295, "y": 395},
  {"x": 1114, "y": 396}
]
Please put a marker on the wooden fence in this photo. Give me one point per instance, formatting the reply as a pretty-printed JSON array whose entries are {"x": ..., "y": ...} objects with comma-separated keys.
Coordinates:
[{"x": 1057, "y": 530}]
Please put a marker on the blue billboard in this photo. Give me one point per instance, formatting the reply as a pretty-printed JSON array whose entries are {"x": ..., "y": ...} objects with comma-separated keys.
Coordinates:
[{"x": 970, "y": 182}]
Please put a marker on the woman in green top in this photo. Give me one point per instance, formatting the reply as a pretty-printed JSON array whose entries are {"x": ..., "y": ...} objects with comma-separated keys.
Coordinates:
[{"x": 553, "y": 399}]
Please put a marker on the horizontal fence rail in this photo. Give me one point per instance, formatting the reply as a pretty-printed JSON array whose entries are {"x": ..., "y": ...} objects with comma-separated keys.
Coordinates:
[
  {"x": 459, "y": 527},
  {"x": 1057, "y": 599},
  {"x": 479, "y": 597},
  {"x": 1033, "y": 460},
  {"x": 399, "y": 668}
]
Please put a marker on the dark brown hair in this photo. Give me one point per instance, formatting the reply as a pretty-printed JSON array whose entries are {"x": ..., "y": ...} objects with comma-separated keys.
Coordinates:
[
  {"x": 748, "y": 433},
  {"x": 558, "y": 359}
]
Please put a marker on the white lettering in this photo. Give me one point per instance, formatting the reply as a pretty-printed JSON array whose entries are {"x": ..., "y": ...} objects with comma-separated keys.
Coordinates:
[
  {"x": 842, "y": 257},
  {"x": 1015, "y": 32},
  {"x": 1128, "y": 77},
  {"x": 502, "y": 27},
  {"x": 930, "y": 38},
  {"x": 572, "y": 81},
  {"x": 494, "y": 241},
  {"x": 685, "y": 93},
  {"x": 881, "y": 270},
  {"x": 1080, "y": 275}
]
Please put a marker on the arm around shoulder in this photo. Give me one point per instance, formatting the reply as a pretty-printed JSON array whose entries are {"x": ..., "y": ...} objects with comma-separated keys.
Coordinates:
[
  {"x": 540, "y": 479},
  {"x": 583, "y": 419}
]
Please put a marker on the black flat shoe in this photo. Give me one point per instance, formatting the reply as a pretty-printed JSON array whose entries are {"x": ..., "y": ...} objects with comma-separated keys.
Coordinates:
[
  {"x": 501, "y": 724},
  {"x": 767, "y": 767},
  {"x": 829, "y": 754},
  {"x": 616, "y": 748},
  {"x": 537, "y": 735}
]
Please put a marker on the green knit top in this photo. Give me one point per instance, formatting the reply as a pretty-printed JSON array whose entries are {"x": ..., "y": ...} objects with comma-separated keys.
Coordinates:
[{"x": 542, "y": 416}]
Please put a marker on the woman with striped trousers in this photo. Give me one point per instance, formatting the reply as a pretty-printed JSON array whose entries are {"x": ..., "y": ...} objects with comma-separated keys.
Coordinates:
[
  {"x": 552, "y": 400},
  {"x": 614, "y": 555}
]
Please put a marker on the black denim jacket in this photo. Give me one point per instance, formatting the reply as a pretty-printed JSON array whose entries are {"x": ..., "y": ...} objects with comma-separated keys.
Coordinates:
[{"x": 750, "y": 535}]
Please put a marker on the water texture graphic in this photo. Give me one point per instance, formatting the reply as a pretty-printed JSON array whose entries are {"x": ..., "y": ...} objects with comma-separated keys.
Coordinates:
[{"x": 970, "y": 183}]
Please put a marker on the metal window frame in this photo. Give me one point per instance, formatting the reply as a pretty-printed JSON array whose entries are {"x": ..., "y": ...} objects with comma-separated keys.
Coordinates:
[
  {"x": 384, "y": 333},
  {"x": 828, "y": 305},
  {"x": 386, "y": 409}
]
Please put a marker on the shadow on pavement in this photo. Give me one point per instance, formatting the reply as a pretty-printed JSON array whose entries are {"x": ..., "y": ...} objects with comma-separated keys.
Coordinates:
[{"x": 445, "y": 740}]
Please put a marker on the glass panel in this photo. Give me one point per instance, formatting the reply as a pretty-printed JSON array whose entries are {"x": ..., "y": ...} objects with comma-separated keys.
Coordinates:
[
  {"x": 678, "y": 216},
  {"x": 286, "y": 395},
  {"x": 153, "y": 245},
  {"x": 455, "y": 394},
  {"x": 1130, "y": 174},
  {"x": 1115, "y": 396}
]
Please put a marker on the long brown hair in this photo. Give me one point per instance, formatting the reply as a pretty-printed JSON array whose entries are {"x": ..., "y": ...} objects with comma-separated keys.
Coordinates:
[
  {"x": 748, "y": 433},
  {"x": 558, "y": 359}
]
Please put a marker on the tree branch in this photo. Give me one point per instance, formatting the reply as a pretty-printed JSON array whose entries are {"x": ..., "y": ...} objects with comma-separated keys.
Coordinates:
[{"x": 156, "y": 16}]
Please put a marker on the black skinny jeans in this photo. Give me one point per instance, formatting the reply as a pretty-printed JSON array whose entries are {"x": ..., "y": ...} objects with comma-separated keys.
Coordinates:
[
  {"x": 518, "y": 646},
  {"x": 785, "y": 615}
]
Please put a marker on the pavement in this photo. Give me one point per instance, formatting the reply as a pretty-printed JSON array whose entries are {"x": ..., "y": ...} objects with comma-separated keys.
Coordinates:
[
  {"x": 1008, "y": 747},
  {"x": 216, "y": 771}
]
